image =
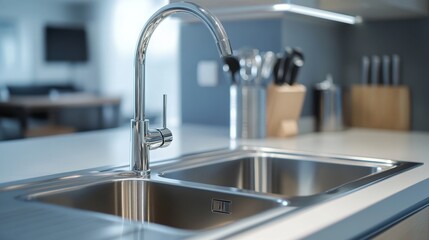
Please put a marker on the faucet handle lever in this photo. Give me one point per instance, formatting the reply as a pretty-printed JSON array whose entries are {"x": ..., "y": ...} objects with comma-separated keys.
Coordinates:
[
  {"x": 167, "y": 136},
  {"x": 164, "y": 111}
]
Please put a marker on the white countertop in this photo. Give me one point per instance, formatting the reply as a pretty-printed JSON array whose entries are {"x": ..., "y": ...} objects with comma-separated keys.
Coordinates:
[
  {"x": 51, "y": 155},
  {"x": 35, "y": 157}
]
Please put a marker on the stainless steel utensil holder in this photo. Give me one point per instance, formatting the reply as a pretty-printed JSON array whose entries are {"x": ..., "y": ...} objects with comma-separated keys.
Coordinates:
[{"x": 247, "y": 111}]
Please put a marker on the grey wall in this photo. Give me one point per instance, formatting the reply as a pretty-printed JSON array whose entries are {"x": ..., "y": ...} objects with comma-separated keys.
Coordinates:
[
  {"x": 322, "y": 44},
  {"x": 409, "y": 39},
  {"x": 210, "y": 105}
]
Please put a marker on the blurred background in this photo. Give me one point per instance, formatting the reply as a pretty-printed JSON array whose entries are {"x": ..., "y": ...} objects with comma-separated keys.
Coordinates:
[
  {"x": 101, "y": 67},
  {"x": 108, "y": 32}
]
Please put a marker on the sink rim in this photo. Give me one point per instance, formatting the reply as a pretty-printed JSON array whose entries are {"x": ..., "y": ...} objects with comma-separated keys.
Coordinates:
[{"x": 190, "y": 160}]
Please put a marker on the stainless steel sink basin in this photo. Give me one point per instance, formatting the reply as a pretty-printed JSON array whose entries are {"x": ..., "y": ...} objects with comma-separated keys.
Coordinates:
[
  {"x": 276, "y": 175},
  {"x": 285, "y": 174},
  {"x": 165, "y": 204}
]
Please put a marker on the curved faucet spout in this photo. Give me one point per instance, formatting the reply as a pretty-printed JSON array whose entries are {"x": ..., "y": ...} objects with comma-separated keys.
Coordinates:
[
  {"x": 143, "y": 139},
  {"x": 212, "y": 23}
]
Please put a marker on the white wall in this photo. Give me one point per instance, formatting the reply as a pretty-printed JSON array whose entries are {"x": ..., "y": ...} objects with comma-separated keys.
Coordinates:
[
  {"x": 119, "y": 25},
  {"x": 30, "y": 18}
]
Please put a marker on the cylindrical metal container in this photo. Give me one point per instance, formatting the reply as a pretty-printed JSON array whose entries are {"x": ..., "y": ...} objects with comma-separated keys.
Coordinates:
[
  {"x": 247, "y": 111},
  {"x": 328, "y": 103}
]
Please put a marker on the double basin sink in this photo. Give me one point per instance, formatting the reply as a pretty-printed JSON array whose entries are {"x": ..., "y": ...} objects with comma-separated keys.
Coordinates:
[{"x": 223, "y": 191}]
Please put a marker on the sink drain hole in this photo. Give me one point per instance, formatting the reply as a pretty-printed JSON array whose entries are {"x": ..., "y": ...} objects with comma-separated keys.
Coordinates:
[{"x": 221, "y": 206}]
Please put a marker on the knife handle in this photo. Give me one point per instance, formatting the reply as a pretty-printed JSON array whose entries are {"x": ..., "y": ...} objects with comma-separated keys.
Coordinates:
[
  {"x": 396, "y": 62},
  {"x": 297, "y": 63},
  {"x": 287, "y": 64},
  {"x": 386, "y": 73},
  {"x": 375, "y": 70},
  {"x": 276, "y": 69},
  {"x": 365, "y": 70}
]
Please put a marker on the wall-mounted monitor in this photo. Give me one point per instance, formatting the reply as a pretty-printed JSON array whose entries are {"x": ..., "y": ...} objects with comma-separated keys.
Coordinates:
[{"x": 65, "y": 44}]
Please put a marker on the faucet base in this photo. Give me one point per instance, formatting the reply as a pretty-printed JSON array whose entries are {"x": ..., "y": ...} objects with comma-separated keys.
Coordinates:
[
  {"x": 142, "y": 174},
  {"x": 139, "y": 149}
]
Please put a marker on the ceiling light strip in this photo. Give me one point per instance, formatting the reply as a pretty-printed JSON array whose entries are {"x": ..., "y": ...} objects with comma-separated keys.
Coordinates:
[
  {"x": 318, "y": 13},
  {"x": 287, "y": 7}
]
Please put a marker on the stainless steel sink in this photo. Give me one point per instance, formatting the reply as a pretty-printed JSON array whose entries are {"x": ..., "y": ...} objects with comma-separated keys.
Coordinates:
[
  {"x": 287, "y": 174},
  {"x": 165, "y": 204},
  {"x": 211, "y": 195}
]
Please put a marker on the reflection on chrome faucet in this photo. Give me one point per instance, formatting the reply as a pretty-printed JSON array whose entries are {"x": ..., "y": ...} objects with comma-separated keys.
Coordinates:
[{"x": 144, "y": 139}]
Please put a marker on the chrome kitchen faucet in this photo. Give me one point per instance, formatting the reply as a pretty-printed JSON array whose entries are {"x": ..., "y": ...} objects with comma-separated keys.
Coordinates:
[{"x": 144, "y": 139}]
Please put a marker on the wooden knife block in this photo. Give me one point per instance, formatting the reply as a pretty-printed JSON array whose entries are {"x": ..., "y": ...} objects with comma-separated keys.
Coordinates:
[
  {"x": 284, "y": 105},
  {"x": 385, "y": 107}
]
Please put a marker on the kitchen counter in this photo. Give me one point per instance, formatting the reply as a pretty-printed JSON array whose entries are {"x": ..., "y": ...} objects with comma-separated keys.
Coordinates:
[{"x": 343, "y": 217}]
